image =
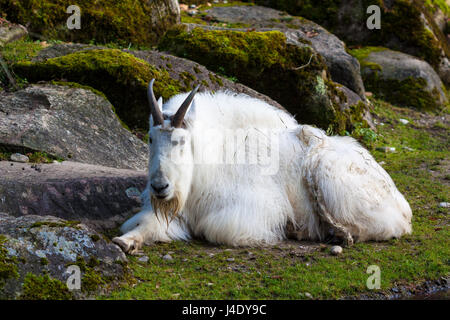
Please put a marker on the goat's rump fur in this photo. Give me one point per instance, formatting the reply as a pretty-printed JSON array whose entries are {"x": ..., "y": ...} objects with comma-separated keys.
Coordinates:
[{"x": 322, "y": 184}]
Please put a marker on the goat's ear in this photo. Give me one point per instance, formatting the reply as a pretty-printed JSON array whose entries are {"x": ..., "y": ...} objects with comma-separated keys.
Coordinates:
[{"x": 160, "y": 103}]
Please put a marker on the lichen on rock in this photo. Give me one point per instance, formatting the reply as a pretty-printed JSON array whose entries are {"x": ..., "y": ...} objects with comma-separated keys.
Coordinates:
[{"x": 36, "y": 251}]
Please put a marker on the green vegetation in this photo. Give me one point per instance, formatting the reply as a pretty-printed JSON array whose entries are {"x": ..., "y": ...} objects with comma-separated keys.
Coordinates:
[
  {"x": 265, "y": 62},
  {"x": 362, "y": 53},
  {"x": 8, "y": 268},
  {"x": 91, "y": 279},
  {"x": 123, "y": 79},
  {"x": 34, "y": 156},
  {"x": 122, "y": 22},
  {"x": 410, "y": 92},
  {"x": 203, "y": 271},
  {"x": 12, "y": 52},
  {"x": 432, "y": 5},
  {"x": 44, "y": 288}
]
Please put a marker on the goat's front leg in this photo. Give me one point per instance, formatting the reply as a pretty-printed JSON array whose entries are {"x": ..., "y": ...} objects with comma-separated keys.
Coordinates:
[{"x": 146, "y": 227}]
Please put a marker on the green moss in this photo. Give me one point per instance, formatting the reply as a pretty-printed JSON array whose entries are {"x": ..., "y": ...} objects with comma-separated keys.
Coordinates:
[
  {"x": 362, "y": 53},
  {"x": 432, "y": 5},
  {"x": 123, "y": 22},
  {"x": 70, "y": 224},
  {"x": 21, "y": 50},
  {"x": 16, "y": 51},
  {"x": 91, "y": 280},
  {"x": 44, "y": 288},
  {"x": 410, "y": 92},
  {"x": 44, "y": 261},
  {"x": 264, "y": 62},
  {"x": 8, "y": 268},
  {"x": 402, "y": 26},
  {"x": 122, "y": 78},
  {"x": 95, "y": 237}
]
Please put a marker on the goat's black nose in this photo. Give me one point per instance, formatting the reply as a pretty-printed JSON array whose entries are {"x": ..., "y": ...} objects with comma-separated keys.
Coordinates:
[{"x": 160, "y": 188}]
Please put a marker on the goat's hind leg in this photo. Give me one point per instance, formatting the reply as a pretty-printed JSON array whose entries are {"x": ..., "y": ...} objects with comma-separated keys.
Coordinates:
[{"x": 340, "y": 230}]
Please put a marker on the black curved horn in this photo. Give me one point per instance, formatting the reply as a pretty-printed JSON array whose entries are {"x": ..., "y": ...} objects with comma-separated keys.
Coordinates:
[
  {"x": 158, "y": 118},
  {"x": 177, "y": 119}
]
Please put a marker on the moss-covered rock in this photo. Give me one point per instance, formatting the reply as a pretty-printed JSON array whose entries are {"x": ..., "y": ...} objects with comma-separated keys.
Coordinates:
[
  {"x": 8, "y": 268},
  {"x": 124, "y": 22},
  {"x": 401, "y": 79},
  {"x": 407, "y": 25},
  {"x": 122, "y": 77},
  {"x": 295, "y": 76},
  {"x": 35, "y": 253},
  {"x": 344, "y": 69}
]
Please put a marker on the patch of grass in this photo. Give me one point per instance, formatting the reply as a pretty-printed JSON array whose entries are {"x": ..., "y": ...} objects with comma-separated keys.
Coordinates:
[{"x": 280, "y": 273}]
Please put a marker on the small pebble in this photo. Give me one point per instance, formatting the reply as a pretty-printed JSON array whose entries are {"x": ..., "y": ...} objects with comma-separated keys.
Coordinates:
[
  {"x": 308, "y": 295},
  {"x": 230, "y": 259},
  {"x": 335, "y": 250},
  {"x": 143, "y": 259},
  {"x": 167, "y": 257},
  {"x": 386, "y": 149},
  {"x": 18, "y": 157},
  {"x": 210, "y": 284},
  {"x": 404, "y": 121},
  {"x": 444, "y": 204}
]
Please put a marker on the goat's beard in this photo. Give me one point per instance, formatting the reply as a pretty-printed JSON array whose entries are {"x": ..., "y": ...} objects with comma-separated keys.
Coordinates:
[{"x": 169, "y": 209}]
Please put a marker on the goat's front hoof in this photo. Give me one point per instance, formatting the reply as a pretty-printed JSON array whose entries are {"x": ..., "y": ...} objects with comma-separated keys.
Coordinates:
[{"x": 129, "y": 246}]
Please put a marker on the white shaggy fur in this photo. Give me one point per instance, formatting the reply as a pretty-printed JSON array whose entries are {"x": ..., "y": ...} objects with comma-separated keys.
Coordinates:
[{"x": 322, "y": 182}]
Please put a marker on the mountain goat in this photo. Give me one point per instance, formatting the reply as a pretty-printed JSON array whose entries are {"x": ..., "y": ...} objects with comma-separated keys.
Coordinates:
[{"x": 320, "y": 186}]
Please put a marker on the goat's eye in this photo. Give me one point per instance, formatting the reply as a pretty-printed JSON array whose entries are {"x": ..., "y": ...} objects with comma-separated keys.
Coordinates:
[{"x": 174, "y": 142}]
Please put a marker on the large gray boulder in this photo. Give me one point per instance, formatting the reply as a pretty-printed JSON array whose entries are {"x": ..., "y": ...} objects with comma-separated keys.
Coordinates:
[
  {"x": 344, "y": 69},
  {"x": 70, "y": 123},
  {"x": 37, "y": 251},
  {"x": 100, "y": 197},
  {"x": 403, "y": 79},
  {"x": 409, "y": 26}
]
